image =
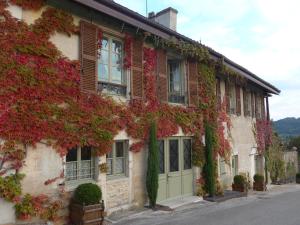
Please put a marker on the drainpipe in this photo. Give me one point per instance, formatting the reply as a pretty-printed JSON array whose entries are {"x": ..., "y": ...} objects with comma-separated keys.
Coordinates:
[{"x": 267, "y": 146}]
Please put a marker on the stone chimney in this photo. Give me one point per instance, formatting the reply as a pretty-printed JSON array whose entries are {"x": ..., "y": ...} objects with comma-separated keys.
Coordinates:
[{"x": 166, "y": 17}]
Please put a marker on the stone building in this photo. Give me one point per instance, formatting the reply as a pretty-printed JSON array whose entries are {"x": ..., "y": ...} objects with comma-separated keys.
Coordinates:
[{"x": 123, "y": 185}]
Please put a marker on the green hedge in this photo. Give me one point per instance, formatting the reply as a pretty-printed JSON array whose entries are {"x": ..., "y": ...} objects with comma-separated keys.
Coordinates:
[
  {"x": 87, "y": 194},
  {"x": 239, "y": 180},
  {"x": 258, "y": 178}
]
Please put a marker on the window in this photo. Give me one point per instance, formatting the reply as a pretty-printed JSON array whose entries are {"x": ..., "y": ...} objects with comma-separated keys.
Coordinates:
[
  {"x": 80, "y": 164},
  {"x": 161, "y": 155},
  {"x": 176, "y": 81},
  {"x": 222, "y": 166},
  {"x": 110, "y": 66},
  {"x": 187, "y": 154},
  {"x": 117, "y": 159},
  {"x": 258, "y": 105},
  {"x": 174, "y": 155},
  {"x": 235, "y": 165},
  {"x": 247, "y": 103},
  {"x": 232, "y": 99}
]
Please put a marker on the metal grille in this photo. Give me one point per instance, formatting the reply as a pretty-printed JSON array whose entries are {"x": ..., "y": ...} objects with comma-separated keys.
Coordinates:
[
  {"x": 187, "y": 154},
  {"x": 74, "y": 171},
  {"x": 71, "y": 171}
]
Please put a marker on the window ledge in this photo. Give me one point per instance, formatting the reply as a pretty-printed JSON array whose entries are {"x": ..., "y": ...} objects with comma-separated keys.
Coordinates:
[
  {"x": 112, "y": 178},
  {"x": 72, "y": 185}
]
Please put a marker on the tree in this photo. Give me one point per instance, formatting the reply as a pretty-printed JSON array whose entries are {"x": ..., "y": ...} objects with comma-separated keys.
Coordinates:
[
  {"x": 153, "y": 167},
  {"x": 274, "y": 159},
  {"x": 209, "y": 167}
]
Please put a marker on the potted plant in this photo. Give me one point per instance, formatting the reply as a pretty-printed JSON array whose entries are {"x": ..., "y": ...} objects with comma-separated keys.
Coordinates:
[
  {"x": 259, "y": 182},
  {"x": 239, "y": 183},
  {"x": 86, "y": 206},
  {"x": 298, "y": 178}
]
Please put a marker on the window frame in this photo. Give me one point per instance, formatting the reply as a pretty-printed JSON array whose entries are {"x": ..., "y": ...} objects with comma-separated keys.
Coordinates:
[
  {"x": 222, "y": 166},
  {"x": 232, "y": 99},
  {"x": 78, "y": 162},
  {"x": 114, "y": 157}
]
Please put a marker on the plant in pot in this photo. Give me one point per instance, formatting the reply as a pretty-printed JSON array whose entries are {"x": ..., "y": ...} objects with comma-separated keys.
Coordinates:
[
  {"x": 239, "y": 183},
  {"x": 86, "y": 206},
  {"x": 298, "y": 178},
  {"x": 259, "y": 182}
]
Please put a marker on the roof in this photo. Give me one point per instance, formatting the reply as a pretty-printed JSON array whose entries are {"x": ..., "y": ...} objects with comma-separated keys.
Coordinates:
[{"x": 133, "y": 18}]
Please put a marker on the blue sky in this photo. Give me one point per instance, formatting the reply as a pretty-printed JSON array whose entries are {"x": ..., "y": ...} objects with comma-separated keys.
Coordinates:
[{"x": 261, "y": 35}]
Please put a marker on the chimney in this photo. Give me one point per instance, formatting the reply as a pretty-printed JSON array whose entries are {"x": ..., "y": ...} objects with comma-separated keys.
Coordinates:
[{"x": 166, "y": 17}]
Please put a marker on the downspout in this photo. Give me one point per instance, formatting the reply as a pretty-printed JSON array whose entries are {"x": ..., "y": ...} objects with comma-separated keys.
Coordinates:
[{"x": 267, "y": 145}]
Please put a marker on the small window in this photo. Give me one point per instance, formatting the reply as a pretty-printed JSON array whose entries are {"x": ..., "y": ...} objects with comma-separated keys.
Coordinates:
[
  {"x": 176, "y": 81},
  {"x": 235, "y": 165},
  {"x": 222, "y": 166},
  {"x": 117, "y": 159},
  {"x": 110, "y": 66},
  {"x": 258, "y": 105},
  {"x": 187, "y": 153},
  {"x": 161, "y": 154},
  {"x": 80, "y": 164},
  {"x": 232, "y": 99}
]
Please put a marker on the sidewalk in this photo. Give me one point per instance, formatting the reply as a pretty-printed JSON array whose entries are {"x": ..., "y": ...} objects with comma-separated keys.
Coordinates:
[{"x": 196, "y": 202}]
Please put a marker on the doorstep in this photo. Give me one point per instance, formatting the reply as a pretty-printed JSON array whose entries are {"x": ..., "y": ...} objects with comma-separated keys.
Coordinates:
[{"x": 181, "y": 201}]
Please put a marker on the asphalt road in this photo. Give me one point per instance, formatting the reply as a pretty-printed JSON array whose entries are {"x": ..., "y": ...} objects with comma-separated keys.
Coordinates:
[{"x": 281, "y": 209}]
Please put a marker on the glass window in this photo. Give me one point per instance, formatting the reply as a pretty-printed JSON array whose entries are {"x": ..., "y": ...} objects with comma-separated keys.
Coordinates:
[
  {"x": 116, "y": 159},
  {"x": 174, "y": 156},
  {"x": 110, "y": 62},
  {"x": 222, "y": 166},
  {"x": 187, "y": 153},
  {"x": 176, "y": 81},
  {"x": 232, "y": 98},
  {"x": 161, "y": 154},
  {"x": 80, "y": 164}
]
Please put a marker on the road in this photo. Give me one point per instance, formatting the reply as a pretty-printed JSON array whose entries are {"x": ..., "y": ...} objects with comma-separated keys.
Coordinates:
[{"x": 281, "y": 209}]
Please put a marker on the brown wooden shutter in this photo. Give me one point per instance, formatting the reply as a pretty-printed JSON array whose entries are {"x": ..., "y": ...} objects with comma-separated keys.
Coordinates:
[
  {"x": 252, "y": 104},
  {"x": 218, "y": 93},
  {"x": 238, "y": 100},
  {"x": 227, "y": 94},
  {"x": 193, "y": 83},
  {"x": 88, "y": 56},
  {"x": 245, "y": 102},
  {"x": 263, "y": 111},
  {"x": 162, "y": 79},
  {"x": 137, "y": 69}
]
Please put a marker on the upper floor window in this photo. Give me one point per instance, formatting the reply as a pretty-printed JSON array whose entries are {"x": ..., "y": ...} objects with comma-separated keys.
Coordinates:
[
  {"x": 176, "y": 81},
  {"x": 232, "y": 98},
  {"x": 117, "y": 159},
  {"x": 247, "y": 103},
  {"x": 258, "y": 104},
  {"x": 110, "y": 66},
  {"x": 80, "y": 164}
]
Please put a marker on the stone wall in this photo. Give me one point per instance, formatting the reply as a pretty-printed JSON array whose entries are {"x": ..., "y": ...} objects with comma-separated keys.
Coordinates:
[{"x": 117, "y": 192}]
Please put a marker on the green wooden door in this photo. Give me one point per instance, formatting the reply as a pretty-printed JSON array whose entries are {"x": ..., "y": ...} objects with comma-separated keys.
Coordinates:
[{"x": 176, "y": 176}]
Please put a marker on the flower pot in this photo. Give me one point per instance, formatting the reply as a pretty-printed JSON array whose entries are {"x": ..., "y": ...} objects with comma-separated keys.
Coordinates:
[
  {"x": 259, "y": 186},
  {"x": 90, "y": 214},
  {"x": 240, "y": 188}
]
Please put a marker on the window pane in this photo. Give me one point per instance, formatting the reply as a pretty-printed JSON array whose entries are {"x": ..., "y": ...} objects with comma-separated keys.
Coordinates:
[
  {"x": 119, "y": 167},
  {"x": 187, "y": 145},
  {"x": 222, "y": 166},
  {"x": 104, "y": 43},
  {"x": 116, "y": 75},
  {"x": 116, "y": 47},
  {"x": 175, "y": 79},
  {"x": 71, "y": 171},
  {"x": 86, "y": 169},
  {"x": 174, "y": 162},
  {"x": 72, "y": 155},
  {"x": 116, "y": 59},
  {"x": 102, "y": 72},
  {"x": 119, "y": 149},
  {"x": 104, "y": 57},
  {"x": 86, "y": 153},
  {"x": 161, "y": 154},
  {"x": 109, "y": 166},
  {"x": 109, "y": 155}
]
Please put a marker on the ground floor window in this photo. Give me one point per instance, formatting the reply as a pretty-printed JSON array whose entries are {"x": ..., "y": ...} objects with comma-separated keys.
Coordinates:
[
  {"x": 117, "y": 159},
  {"x": 235, "y": 165},
  {"x": 80, "y": 164},
  {"x": 222, "y": 164}
]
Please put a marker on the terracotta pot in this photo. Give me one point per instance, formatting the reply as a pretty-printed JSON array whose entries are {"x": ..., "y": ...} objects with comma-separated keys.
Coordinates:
[
  {"x": 258, "y": 186},
  {"x": 91, "y": 214},
  {"x": 240, "y": 188}
]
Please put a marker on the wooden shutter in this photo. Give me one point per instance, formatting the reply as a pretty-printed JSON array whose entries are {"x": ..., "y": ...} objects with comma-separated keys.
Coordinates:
[
  {"x": 192, "y": 83},
  {"x": 88, "y": 56},
  {"x": 162, "y": 79},
  {"x": 227, "y": 95},
  {"x": 263, "y": 111},
  {"x": 238, "y": 100},
  {"x": 256, "y": 105},
  {"x": 137, "y": 69},
  {"x": 218, "y": 93},
  {"x": 245, "y": 102}
]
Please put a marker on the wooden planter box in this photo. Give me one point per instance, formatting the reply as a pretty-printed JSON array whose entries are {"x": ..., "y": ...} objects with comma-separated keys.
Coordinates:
[
  {"x": 238, "y": 188},
  {"x": 259, "y": 186},
  {"x": 87, "y": 215}
]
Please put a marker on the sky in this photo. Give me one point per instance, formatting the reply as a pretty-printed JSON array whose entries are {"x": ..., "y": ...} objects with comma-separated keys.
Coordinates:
[{"x": 260, "y": 35}]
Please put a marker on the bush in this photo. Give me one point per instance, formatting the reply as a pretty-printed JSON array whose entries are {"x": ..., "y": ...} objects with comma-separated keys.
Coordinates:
[
  {"x": 239, "y": 180},
  {"x": 297, "y": 175},
  {"x": 258, "y": 178},
  {"x": 87, "y": 194}
]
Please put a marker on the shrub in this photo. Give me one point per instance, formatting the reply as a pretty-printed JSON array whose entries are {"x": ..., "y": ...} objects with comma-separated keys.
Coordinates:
[
  {"x": 87, "y": 194},
  {"x": 239, "y": 180},
  {"x": 258, "y": 178}
]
